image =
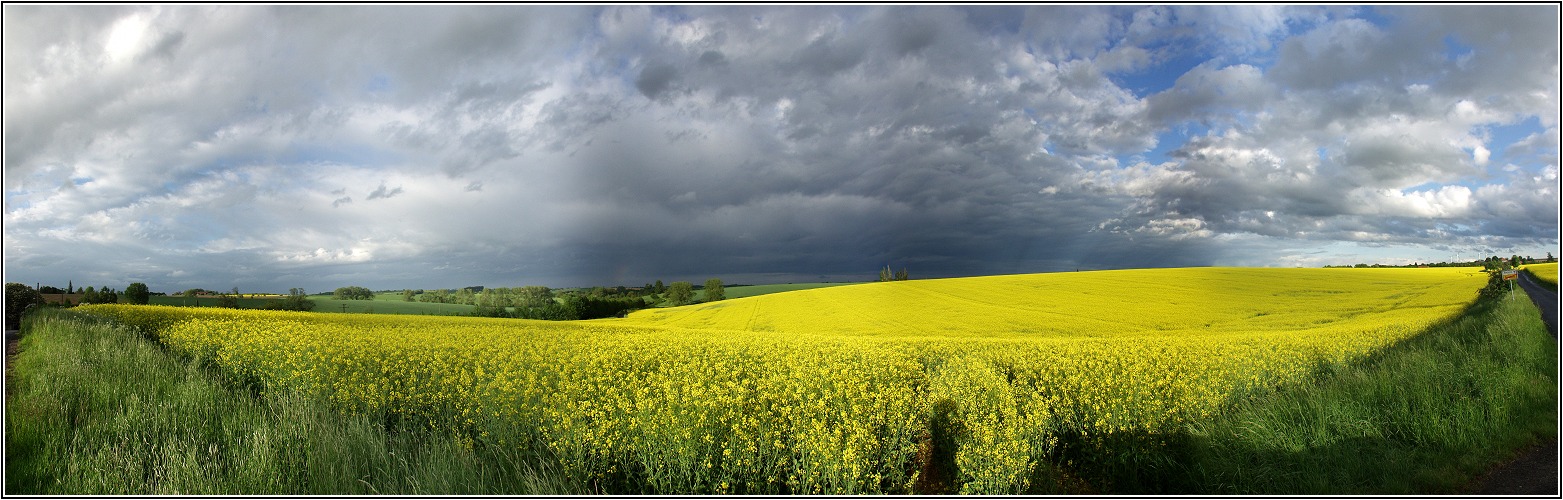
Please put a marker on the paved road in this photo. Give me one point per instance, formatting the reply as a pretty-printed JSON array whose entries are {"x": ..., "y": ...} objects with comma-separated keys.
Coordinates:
[{"x": 1545, "y": 300}]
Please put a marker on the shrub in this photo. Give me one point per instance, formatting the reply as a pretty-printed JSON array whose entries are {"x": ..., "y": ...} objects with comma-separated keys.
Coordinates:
[{"x": 18, "y": 298}]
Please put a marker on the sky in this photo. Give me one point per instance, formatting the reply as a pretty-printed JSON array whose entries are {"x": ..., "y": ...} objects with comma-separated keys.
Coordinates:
[{"x": 406, "y": 146}]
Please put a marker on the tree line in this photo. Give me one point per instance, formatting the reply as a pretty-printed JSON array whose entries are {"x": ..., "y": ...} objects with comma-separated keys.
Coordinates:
[
  {"x": 541, "y": 302},
  {"x": 1490, "y": 263}
]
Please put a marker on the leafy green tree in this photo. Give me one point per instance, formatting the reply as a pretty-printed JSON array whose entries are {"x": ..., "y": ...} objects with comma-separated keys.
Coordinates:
[
  {"x": 435, "y": 296},
  {"x": 714, "y": 290},
  {"x": 887, "y": 275},
  {"x": 352, "y": 293},
  {"x": 295, "y": 301},
  {"x": 493, "y": 298},
  {"x": 137, "y": 293},
  {"x": 660, "y": 287},
  {"x": 18, "y": 298},
  {"x": 534, "y": 297},
  {"x": 681, "y": 293}
]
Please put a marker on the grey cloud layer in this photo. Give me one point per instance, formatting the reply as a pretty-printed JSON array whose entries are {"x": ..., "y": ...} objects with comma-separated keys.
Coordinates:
[{"x": 439, "y": 146}]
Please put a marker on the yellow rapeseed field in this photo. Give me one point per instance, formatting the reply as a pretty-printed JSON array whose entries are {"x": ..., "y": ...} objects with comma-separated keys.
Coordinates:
[
  {"x": 831, "y": 390},
  {"x": 1544, "y": 272}
]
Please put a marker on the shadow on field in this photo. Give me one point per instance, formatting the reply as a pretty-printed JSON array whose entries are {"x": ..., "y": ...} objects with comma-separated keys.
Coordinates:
[
  {"x": 936, "y": 449},
  {"x": 1425, "y": 415}
]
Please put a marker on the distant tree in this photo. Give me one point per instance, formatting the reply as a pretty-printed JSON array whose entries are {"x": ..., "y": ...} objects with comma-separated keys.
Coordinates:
[
  {"x": 352, "y": 293},
  {"x": 89, "y": 296},
  {"x": 533, "y": 297},
  {"x": 428, "y": 296},
  {"x": 70, "y": 286},
  {"x": 1550, "y": 258},
  {"x": 483, "y": 311},
  {"x": 229, "y": 300},
  {"x": 681, "y": 293},
  {"x": 714, "y": 290},
  {"x": 296, "y": 300},
  {"x": 137, "y": 293},
  {"x": 407, "y": 295},
  {"x": 49, "y": 289},
  {"x": 18, "y": 298},
  {"x": 493, "y": 298},
  {"x": 888, "y": 275},
  {"x": 491, "y": 303},
  {"x": 660, "y": 287}
]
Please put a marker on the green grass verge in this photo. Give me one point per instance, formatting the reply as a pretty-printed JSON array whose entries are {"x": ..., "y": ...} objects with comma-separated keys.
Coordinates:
[
  {"x": 96, "y": 409},
  {"x": 1425, "y": 416}
]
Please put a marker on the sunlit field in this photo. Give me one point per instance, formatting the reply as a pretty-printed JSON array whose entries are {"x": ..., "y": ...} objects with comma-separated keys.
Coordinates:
[
  {"x": 1546, "y": 273},
  {"x": 840, "y": 389}
]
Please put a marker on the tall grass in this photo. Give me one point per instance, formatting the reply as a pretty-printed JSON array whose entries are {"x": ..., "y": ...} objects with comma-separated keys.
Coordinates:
[
  {"x": 94, "y": 408},
  {"x": 1425, "y": 416}
]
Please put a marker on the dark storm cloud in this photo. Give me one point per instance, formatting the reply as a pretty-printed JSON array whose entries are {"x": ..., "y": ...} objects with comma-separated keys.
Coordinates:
[
  {"x": 655, "y": 79},
  {"x": 217, "y": 146}
]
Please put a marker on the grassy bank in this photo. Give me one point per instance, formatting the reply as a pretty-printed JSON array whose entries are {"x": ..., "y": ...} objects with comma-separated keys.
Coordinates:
[
  {"x": 1422, "y": 417},
  {"x": 95, "y": 408}
]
